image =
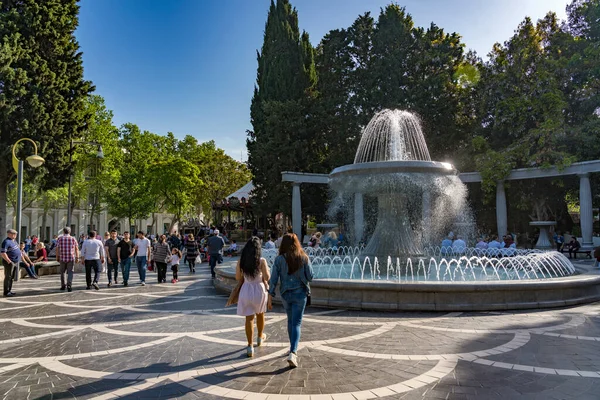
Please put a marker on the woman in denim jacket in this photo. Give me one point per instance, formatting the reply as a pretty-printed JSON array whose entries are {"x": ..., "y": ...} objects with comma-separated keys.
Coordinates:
[{"x": 291, "y": 268}]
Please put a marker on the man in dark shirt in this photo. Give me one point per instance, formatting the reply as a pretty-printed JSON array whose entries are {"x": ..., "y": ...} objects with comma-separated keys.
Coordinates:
[
  {"x": 573, "y": 247},
  {"x": 215, "y": 245},
  {"x": 124, "y": 255},
  {"x": 112, "y": 262},
  {"x": 10, "y": 260}
]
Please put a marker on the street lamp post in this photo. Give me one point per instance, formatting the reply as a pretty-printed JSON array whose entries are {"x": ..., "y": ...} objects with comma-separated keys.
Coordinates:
[
  {"x": 35, "y": 161},
  {"x": 99, "y": 154}
]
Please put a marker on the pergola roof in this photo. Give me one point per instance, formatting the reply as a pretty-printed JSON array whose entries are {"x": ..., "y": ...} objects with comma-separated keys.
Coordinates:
[{"x": 244, "y": 191}]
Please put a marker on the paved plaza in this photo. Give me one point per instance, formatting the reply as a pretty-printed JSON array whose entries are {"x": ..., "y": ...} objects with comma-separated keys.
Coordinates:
[{"x": 178, "y": 341}]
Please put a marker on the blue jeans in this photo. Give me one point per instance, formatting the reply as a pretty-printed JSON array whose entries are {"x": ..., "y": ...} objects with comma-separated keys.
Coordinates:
[
  {"x": 29, "y": 269},
  {"x": 141, "y": 262},
  {"x": 125, "y": 266},
  {"x": 294, "y": 302},
  {"x": 214, "y": 258},
  {"x": 112, "y": 269}
]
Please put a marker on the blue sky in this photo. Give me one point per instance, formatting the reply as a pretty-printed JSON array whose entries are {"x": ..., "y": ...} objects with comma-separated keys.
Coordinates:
[{"x": 189, "y": 66}]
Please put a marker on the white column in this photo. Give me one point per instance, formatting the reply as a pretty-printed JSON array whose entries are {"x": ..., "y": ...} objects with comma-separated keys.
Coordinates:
[
  {"x": 297, "y": 211},
  {"x": 586, "y": 216},
  {"x": 359, "y": 218},
  {"x": 55, "y": 223},
  {"x": 501, "y": 216}
]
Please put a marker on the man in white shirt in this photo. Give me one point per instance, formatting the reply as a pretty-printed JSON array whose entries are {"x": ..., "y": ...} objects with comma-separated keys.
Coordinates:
[
  {"x": 92, "y": 252},
  {"x": 142, "y": 245},
  {"x": 271, "y": 243}
]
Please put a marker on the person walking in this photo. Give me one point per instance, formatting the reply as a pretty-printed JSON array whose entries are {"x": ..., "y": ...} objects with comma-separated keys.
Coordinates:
[
  {"x": 26, "y": 262},
  {"x": 175, "y": 259},
  {"x": 191, "y": 252},
  {"x": 162, "y": 256},
  {"x": 124, "y": 255},
  {"x": 252, "y": 300},
  {"x": 92, "y": 252},
  {"x": 111, "y": 248},
  {"x": 10, "y": 260},
  {"x": 142, "y": 245},
  {"x": 67, "y": 253},
  {"x": 292, "y": 269},
  {"x": 215, "y": 245}
]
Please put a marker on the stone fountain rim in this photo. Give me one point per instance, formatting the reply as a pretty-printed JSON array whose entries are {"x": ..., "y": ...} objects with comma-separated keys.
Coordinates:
[
  {"x": 542, "y": 223},
  {"x": 447, "y": 296},
  {"x": 387, "y": 167},
  {"x": 583, "y": 276}
]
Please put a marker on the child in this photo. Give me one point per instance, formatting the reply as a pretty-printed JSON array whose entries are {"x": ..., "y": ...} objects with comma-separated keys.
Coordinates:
[{"x": 175, "y": 258}]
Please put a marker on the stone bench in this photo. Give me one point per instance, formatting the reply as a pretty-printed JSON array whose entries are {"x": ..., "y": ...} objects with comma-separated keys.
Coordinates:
[{"x": 46, "y": 268}]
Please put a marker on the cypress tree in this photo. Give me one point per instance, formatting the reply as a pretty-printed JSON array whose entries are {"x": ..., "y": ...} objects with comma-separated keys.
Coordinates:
[
  {"x": 42, "y": 90},
  {"x": 281, "y": 134}
]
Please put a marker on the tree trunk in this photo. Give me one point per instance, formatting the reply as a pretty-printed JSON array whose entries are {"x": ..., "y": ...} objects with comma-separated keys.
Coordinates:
[
  {"x": 3, "y": 199},
  {"x": 174, "y": 221}
]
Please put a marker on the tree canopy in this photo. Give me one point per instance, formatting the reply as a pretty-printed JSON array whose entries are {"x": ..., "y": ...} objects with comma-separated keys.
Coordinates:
[
  {"x": 534, "y": 102},
  {"x": 43, "y": 91}
]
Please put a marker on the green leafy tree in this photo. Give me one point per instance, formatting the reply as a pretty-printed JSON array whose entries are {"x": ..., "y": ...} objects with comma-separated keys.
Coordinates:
[
  {"x": 175, "y": 181},
  {"x": 94, "y": 178},
  {"x": 219, "y": 173},
  {"x": 43, "y": 91},
  {"x": 130, "y": 196}
]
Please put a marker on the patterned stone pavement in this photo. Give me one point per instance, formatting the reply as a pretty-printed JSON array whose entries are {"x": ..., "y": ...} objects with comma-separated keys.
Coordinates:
[{"x": 166, "y": 341}]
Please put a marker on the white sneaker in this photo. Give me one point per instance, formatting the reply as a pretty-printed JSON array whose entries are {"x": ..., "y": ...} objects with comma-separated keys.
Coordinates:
[
  {"x": 292, "y": 360},
  {"x": 143, "y": 283}
]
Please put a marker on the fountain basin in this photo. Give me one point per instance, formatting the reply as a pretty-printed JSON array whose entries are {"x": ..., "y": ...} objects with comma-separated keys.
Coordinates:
[
  {"x": 446, "y": 296},
  {"x": 390, "y": 167},
  {"x": 544, "y": 238}
]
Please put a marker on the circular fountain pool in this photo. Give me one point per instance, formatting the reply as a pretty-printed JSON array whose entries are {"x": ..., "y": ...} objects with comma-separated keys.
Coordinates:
[{"x": 418, "y": 200}]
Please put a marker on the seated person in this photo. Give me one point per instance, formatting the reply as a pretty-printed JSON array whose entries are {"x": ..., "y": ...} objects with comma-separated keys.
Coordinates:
[
  {"x": 597, "y": 256},
  {"x": 481, "y": 247},
  {"x": 459, "y": 245},
  {"x": 26, "y": 262},
  {"x": 559, "y": 240},
  {"x": 573, "y": 246},
  {"x": 232, "y": 249},
  {"x": 40, "y": 253},
  {"x": 447, "y": 244},
  {"x": 331, "y": 240},
  {"x": 494, "y": 246}
]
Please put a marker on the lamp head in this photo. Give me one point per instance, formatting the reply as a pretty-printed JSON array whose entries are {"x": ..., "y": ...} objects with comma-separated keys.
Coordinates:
[
  {"x": 100, "y": 153},
  {"x": 35, "y": 161}
]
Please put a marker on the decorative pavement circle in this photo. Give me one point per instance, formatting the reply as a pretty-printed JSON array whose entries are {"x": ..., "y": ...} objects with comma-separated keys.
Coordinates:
[{"x": 166, "y": 341}]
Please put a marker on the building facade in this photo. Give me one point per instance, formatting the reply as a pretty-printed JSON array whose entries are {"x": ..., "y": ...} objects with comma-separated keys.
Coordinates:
[{"x": 32, "y": 222}]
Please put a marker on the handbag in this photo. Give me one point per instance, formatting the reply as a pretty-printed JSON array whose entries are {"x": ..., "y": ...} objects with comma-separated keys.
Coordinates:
[{"x": 235, "y": 293}]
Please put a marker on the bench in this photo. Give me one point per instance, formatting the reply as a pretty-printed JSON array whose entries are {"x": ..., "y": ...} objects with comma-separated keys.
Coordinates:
[
  {"x": 580, "y": 251},
  {"x": 46, "y": 268}
]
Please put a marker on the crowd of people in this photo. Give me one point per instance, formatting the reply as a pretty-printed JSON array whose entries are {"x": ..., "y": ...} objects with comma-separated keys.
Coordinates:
[
  {"x": 112, "y": 253},
  {"x": 291, "y": 270}
]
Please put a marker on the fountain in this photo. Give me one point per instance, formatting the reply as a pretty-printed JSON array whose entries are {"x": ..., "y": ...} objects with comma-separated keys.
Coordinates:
[
  {"x": 418, "y": 202},
  {"x": 392, "y": 163}
]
